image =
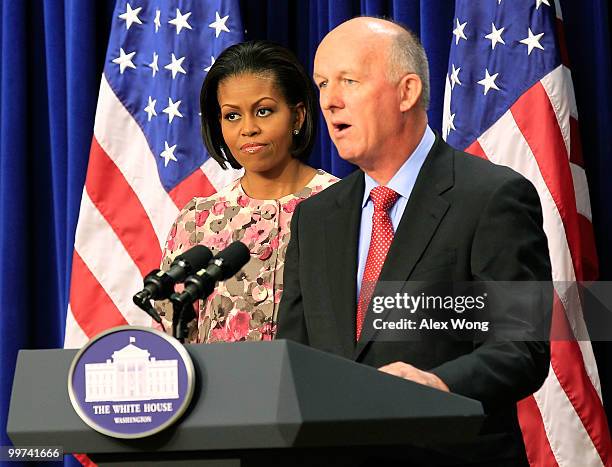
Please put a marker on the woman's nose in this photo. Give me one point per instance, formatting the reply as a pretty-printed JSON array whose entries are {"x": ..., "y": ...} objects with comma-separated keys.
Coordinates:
[{"x": 249, "y": 127}]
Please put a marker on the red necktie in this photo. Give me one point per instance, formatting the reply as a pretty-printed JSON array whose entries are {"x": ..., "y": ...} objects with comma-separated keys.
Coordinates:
[{"x": 382, "y": 235}]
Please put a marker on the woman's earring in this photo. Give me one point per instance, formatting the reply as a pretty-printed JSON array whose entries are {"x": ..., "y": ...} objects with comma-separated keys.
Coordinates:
[{"x": 296, "y": 132}]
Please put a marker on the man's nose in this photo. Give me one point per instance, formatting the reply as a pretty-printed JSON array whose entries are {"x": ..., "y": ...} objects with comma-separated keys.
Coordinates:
[{"x": 330, "y": 98}]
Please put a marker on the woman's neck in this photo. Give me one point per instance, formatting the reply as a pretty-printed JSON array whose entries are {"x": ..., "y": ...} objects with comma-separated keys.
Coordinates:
[{"x": 288, "y": 179}]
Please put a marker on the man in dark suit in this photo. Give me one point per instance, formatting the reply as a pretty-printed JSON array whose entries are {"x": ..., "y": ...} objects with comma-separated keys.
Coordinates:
[{"x": 444, "y": 216}]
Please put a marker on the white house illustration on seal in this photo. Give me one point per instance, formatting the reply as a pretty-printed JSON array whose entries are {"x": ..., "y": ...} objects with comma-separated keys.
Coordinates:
[{"x": 131, "y": 376}]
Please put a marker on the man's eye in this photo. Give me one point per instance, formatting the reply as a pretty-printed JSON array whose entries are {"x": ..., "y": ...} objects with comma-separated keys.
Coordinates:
[
  {"x": 263, "y": 112},
  {"x": 231, "y": 116},
  {"x": 349, "y": 81},
  {"x": 322, "y": 84}
]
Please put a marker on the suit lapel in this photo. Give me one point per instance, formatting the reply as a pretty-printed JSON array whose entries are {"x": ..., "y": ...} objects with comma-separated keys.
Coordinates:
[
  {"x": 341, "y": 242},
  {"x": 424, "y": 212}
]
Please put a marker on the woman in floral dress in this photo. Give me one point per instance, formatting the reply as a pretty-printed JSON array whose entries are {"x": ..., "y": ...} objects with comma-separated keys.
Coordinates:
[{"x": 259, "y": 113}]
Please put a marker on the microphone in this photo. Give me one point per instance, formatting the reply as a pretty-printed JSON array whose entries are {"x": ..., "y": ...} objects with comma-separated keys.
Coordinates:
[
  {"x": 223, "y": 266},
  {"x": 160, "y": 284}
]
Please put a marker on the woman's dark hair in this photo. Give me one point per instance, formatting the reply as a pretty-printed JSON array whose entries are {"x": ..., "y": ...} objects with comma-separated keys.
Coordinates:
[{"x": 266, "y": 58}]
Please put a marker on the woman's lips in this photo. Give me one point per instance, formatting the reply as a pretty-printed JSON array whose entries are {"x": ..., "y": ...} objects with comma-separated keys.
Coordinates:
[{"x": 252, "y": 148}]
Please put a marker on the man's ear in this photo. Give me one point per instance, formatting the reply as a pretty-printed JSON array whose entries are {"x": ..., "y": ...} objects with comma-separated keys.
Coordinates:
[{"x": 410, "y": 88}]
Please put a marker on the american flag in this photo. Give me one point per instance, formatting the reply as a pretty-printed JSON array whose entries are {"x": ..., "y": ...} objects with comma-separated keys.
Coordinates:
[
  {"x": 147, "y": 159},
  {"x": 509, "y": 98}
]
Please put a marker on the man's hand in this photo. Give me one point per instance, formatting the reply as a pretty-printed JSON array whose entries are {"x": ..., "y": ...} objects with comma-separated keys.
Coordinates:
[{"x": 406, "y": 371}]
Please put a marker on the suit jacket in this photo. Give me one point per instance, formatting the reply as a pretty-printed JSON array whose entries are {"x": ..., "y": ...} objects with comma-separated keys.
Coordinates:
[{"x": 466, "y": 220}]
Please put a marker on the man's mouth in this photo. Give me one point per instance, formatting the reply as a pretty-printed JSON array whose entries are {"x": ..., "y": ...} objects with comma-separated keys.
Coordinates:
[{"x": 340, "y": 128}]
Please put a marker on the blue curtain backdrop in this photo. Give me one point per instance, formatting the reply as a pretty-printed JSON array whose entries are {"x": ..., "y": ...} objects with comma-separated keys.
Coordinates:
[{"x": 51, "y": 58}]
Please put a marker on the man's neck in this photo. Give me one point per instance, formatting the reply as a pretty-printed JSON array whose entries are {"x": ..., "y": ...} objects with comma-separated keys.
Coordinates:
[{"x": 390, "y": 162}]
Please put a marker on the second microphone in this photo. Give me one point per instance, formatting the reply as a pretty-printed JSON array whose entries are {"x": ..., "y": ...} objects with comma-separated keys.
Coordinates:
[{"x": 223, "y": 266}]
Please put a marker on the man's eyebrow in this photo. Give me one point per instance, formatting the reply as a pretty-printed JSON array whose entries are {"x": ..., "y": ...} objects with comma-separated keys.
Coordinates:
[{"x": 339, "y": 73}]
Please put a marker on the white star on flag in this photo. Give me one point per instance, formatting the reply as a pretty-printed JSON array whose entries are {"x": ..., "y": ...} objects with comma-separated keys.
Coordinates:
[
  {"x": 219, "y": 24},
  {"x": 458, "y": 32},
  {"x": 168, "y": 154},
  {"x": 172, "y": 110},
  {"x": 532, "y": 41},
  {"x": 539, "y": 2},
  {"x": 489, "y": 82},
  {"x": 124, "y": 60},
  {"x": 454, "y": 77},
  {"x": 212, "y": 62},
  {"x": 181, "y": 21},
  {"x": 131, "y": 16},
  {"x": 153, "y": 64},
  {"x": 175, "y": 66},
  {"x": 495, "y": 36},
  {"x": 150, "y": 108},
  {"x": 157, "y": 21}
]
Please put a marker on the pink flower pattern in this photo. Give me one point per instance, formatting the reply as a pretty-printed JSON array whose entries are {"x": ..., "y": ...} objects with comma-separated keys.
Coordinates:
[
  {"x": 219, "y": 207},
  {"x": 245, "y": 306},
  {"x": 291, "y": 205},
  {"x": 238, "y": 326},
  {"x": 201, "y": 217},
  {"x": 257, "y": 233},
  {"x": 218, "y": 241}
]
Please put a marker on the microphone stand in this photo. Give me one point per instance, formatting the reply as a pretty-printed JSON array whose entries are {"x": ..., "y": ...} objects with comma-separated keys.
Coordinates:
[{"x": 182, "y": 314}]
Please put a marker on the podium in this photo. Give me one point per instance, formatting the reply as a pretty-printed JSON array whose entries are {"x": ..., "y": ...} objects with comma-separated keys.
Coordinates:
[{"x": 258, "y": 403}]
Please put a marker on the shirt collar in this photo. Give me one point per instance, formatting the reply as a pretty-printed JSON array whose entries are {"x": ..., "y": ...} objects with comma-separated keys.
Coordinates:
[{"x": 404, "y": 179}]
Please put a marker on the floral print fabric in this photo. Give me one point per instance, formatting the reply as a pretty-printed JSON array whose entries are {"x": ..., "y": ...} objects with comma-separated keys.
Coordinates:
[{"x": 245, "y": 306}]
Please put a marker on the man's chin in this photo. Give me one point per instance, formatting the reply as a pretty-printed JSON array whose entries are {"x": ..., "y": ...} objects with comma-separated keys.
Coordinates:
[{"x": 348, "y": 155}]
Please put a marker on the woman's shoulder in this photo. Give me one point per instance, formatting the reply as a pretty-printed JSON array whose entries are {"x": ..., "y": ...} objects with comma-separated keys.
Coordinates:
[
  {"x": 199, "y": 203},
  {"x": 320, "y": 181},
  {"x": 321, "y": 176}
]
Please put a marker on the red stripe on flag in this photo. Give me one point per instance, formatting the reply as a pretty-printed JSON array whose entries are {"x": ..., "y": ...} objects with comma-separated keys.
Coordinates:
[
  {"x": 566, "y": 355},
  {"x": 120, "y": 206},
  {"x": 567, "y": 363},
  {"x": 576, "y": 144},
  {"x": 88, "y": 299},
  {"x": 476, "y": 149},
  {"x": 197, "y": 184},
  {"x": 536, "y": 444},
  {"x": 537, "y": 121},
  {"x": 590, "y": 263},
  {"x": 84, "y": 460}
]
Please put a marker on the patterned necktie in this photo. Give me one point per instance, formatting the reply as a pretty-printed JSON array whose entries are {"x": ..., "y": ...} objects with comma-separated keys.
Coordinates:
[{"x": 382, "y": 235}]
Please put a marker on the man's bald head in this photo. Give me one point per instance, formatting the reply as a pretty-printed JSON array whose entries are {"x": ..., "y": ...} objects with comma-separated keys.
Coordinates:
[
  {"x": 364, "y": 25},
  {"x": 372, "y": 95},
  {"x": 404, "y": 51}
]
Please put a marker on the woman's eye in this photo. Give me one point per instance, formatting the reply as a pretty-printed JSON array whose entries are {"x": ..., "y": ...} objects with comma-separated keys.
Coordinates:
[
  {"x": 231, "y": 117},
  {"x": 349, "y": 81},
  {"x": 263, "y": 112},
  {"x": 322, "y": 84}
]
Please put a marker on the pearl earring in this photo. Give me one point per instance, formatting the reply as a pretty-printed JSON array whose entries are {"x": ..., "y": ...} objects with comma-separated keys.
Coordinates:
[{"x": 296, "y": 132}]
